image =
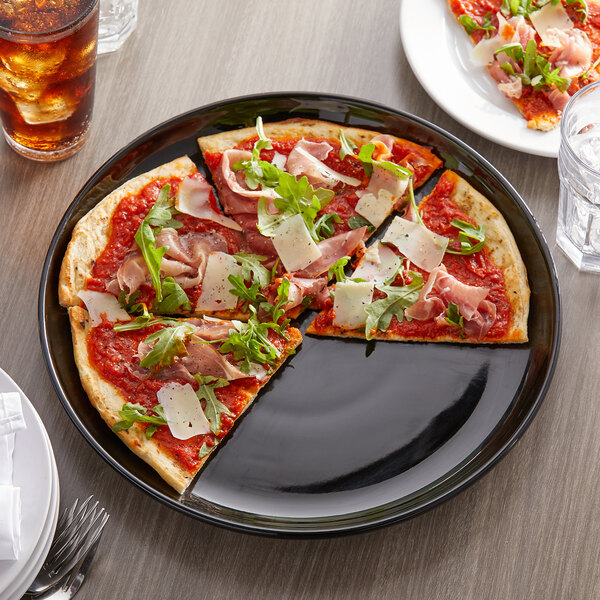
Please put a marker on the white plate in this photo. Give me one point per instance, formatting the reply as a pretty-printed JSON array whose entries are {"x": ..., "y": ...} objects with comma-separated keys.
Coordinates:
[
  {"x": 438, "y": 51},
  {"x": 33, "y": 473}
]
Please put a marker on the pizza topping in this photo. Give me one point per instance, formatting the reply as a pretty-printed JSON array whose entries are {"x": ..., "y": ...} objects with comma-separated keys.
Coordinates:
[
  {"x": 378, "y": 264},
  {"x": 103, "y": 306},
  {"x": 351, "y": 299},
  {"x": 421, "y": 246},
  {"x": 548, "y": 21},
  {"x": 303, "y": 287},
  {"x": 332, "y": 249},
  {"x": 376, "y": 208},
  {"x": 471, "y": 238},
  {"x": 235, "y": 179},
  {"x": 163, "y": 346},
  {"x": 213, "y": 409},
  {"x": 307, "y": 159},
  {"x": 182, "y": 410},
  {"x": 574, "y": 55},
  {"x": 137, "y": 413},
  {"x": 294, "y": 244},
  {"x": 194, "y": 198},
  {"x": 470, "y": 25},
  {"x": 215, "y": 293}
]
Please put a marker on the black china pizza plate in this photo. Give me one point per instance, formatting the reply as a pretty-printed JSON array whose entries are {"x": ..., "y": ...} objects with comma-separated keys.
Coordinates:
[{"x": 348, "y": 435}]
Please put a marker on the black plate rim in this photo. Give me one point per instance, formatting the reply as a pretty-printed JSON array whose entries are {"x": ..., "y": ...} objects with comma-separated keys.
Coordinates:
[{"x": 309, "y": 532}]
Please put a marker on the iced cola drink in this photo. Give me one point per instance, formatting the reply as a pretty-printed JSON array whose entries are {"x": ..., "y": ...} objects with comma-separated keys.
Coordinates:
[{"x": 47, "y": 74}]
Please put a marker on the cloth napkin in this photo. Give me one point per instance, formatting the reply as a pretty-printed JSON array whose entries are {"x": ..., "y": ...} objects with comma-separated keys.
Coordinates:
[
  {"x": 11, "y": 414},
  {"x": 10, "y": 522}
]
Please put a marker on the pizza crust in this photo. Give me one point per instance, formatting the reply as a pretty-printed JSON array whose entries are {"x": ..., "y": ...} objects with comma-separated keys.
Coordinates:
[
  {"x": 92, "y": 232},
  {"x": 108, "y": 401}
]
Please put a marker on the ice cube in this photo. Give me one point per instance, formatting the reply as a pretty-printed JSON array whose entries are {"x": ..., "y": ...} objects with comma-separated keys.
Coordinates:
[
  {"x": 16, "y": 86},
  {"x": 587, "y": 147},
  {"x": 36, "y": 64},
  {"x": 51, "y": 110}
]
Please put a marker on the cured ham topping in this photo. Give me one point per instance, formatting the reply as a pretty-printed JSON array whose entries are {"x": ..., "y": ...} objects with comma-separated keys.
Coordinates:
[
  {"x": 574, "y": 56},
  {"x": 301, "y": 287}
]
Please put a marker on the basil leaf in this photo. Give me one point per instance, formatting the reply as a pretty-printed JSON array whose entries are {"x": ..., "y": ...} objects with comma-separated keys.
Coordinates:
[
  {"x": 136, "y": 413},
  {"x": 398, "y": 298},
  {"x": 213, "y": 409},
  {"x": 174, "y": 298},
  {"x": 453, "y": 317},
  {"x": 252, "y": 269},
  {"x": 337, "y": 269},
  {"x": 167, "y": 344},
  {"x": 471, "y": 238},
  {"x": 346, "y": 146},
  {"x": 356, "y": 222},
  {"x": 470, "y": 25}
]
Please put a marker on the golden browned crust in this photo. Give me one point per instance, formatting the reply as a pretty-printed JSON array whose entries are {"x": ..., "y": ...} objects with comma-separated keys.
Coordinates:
[
  {"x": 502, "y": 248},
  {"x": 108, "y": 401},
  {"x": 92, "y": 232}
]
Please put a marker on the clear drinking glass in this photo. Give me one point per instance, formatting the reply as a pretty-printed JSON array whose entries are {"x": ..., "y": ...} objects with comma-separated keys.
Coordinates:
[
  {"x": 578, "y": 227},
  {"x": 47, "y": 75},
  {"x": 118, "y": 19}
]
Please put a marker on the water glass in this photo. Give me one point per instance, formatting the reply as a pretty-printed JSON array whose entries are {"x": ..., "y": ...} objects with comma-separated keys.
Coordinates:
[
  {"x": 47, "y": 75},
  {"x": 118, "y": 19},
  {"x": 578, "y": 227}
]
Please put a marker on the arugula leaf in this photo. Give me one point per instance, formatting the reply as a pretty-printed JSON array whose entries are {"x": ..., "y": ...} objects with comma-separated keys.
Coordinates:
[
  {"x": 324, "y": 225},
  {"x": 580, "y": 7},
  {"x": 168, "y": 343},
  {"x": 249, "y": 342},
  {"x": 413, "y": 204},
  {"x": 453, "y": 317},
  {"x": 470, "y": 25},
  {"x": 365, "y": 155},
  {"x": 249, "y": 295},
  {"x": 337, "y": 269},
  {"x": 586, "y": 74},
  {"x": 252, "y": 269},
  {"x": 277, "y": 311},
  {"x": 346, "y": 146},
  {"x": 471, "y": 238},
  {"x": 398, "y": 298},
  {"x": 213, "y": 409},
  {"x": 518, "y": 7},
  {"x": 132, "y": 413},
  {"x": 174, "y": 298},
  {"x": 356, "y": 222},
  {"x": 205, "y": 449},
  {"x": 267, "y": 222}
]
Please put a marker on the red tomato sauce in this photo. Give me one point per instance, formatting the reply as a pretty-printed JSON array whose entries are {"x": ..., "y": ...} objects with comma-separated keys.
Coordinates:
[{"x": 111, "y": 353}]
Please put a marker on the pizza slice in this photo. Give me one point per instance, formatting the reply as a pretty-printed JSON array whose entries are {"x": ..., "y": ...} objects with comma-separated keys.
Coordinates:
[
  {"x": 172, "y": 389},
  {"x": 450, "y": 271},
  {"x": 539, "y": 52},
  {"x": 308, "y": 193}
]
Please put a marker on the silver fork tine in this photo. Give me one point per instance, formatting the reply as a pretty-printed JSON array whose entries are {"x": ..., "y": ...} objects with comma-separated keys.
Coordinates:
[
  {"x": 76, "y": 540},
  {"x": 67, "y": 520}
]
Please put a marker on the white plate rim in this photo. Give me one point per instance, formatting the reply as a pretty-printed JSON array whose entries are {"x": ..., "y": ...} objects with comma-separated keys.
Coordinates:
[{"x": 463, "y": 90}]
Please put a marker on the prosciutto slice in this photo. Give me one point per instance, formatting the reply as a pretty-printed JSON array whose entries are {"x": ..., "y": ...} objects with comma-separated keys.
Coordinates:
[
  {"x": 442, "y": 288},
  {"x": 300, "y": 287},
  {"x": 575, "y": 53},
  {"x": 332, "y": 249}
]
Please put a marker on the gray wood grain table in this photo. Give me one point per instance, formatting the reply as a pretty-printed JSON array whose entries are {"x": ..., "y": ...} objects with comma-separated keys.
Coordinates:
[{"x": 529, "y": 529}]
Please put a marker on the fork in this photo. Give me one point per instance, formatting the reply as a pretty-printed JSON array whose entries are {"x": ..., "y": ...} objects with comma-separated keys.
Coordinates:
[{"x": 77, "y": 534}]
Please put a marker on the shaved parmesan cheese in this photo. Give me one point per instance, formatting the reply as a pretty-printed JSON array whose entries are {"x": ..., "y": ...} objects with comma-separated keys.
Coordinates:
[
  {"x": 378, "y": 264},
  {"x": 483, "y": 52},
  {"x": 99, "y": 304},
  {"x": 328, "y": 174},
  {"x": 376, "y": 208},
  {"x": 420, "y": 245},
  {"x": 279, "y": 160},
  {"x": 294, "y": 245},
  {"x": 183, "y": 410},
  {"x": 350, "y": 301},
  {"x": 215, "y": 284},
  {"x": 548, "y": 21},
  {"x": 193, "y": 198}
]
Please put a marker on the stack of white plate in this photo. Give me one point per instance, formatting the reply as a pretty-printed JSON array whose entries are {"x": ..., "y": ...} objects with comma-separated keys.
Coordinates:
[{"x": 35, "y": 473}]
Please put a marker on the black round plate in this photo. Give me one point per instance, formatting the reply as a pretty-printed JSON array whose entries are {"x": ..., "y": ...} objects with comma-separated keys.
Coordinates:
[{"x": 348, "y": 435}]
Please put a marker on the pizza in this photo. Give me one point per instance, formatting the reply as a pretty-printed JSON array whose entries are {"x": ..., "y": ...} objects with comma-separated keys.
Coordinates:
[
  {"x": 449, "y": 271},
  {"x": 180, "y": 300},
  {"x": 540, "y": 52}
]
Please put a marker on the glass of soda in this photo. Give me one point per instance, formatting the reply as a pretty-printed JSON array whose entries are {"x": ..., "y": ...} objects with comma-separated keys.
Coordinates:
[
  {"x": 47, "y": 75},
  {"x": 578, "y": 226}
]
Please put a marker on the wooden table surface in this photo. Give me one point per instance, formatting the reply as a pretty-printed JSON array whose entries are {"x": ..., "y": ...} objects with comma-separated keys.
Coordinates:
[{"x": 529, "y": 529}]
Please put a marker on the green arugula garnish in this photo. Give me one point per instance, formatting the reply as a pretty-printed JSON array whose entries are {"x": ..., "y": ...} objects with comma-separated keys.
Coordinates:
[
  {"x": 356, "y": 222},
  {"x": 252, "y": 270},
  {"x": 398, "y": 298},
  {"x": 168, "y": 343},
  {"x": 365, "y": 155},
  {"x": 453, "y": 317},
  {"x": 159, "y": 216},
  {"x": 337, "y": 269},
  {"x": 586, "y": 74},
  {"x": 346, "y": 146},
  {"x": 471, "y": 238},
  {"x": 470, "y": 25},
  {"x": 413, "y": 204},
  {"x": 254, "y": 273},
  {"x": 580, "y": 7},
  {"x": 276, "y": 310},
  {"x": 324, "y": 225},
  {"x": 132, "y": 413},
  {"x": 205, "y": 449},
  {"x": 174, "y": 298},
  {"x": 213, "y": 409},
  {"x": 511, "y": 8},
  {"x": 248, "y": 295}
]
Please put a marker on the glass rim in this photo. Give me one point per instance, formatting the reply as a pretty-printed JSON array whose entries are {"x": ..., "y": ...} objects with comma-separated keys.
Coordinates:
[
  {"x": 564, "y": 138},
  {"x": 51, "y": 34}
]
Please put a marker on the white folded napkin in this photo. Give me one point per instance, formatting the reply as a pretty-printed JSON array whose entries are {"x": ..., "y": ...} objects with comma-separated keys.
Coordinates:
[
  {"x": 11, "y": 414},
  {"x": 10, "y": 522},
  {"x": 7, "y": 445}
]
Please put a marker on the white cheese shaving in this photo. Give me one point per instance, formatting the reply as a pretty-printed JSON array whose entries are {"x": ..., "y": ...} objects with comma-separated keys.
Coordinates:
[
  {"x": 350, "y": 301},
  {"x": 420, "y": 245},
  {"x": 483, "y": 52},
  {"x": 376, "y": 208},
  {"x": 100, "y": 303},
  {"x": 215, "y": 284},
  {"x": 550, "y": 20},
  {"x": 378, "y": 264},
  {"x": 326, "y": 171},
  {"x": 293, "y": 243},
  {"x": 279, "y": 160},
  {"x": 183, "y": 410}
]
